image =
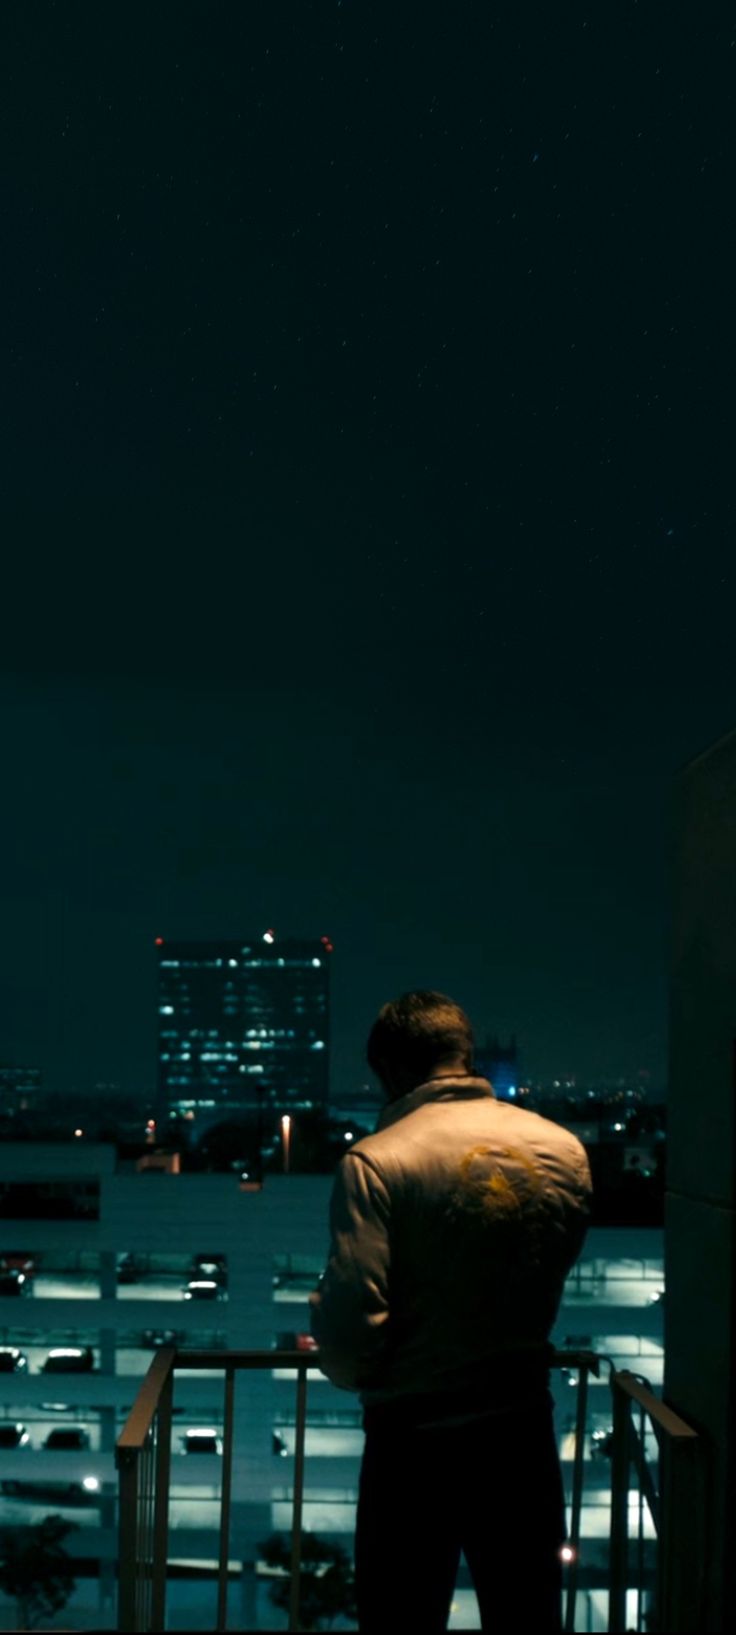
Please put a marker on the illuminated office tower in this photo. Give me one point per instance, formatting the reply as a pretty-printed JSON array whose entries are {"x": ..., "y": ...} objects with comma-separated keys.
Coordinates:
[{"x": 243, "y": 1025}]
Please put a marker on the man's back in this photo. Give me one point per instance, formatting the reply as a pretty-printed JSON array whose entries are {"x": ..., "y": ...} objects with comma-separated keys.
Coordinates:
[
  {"x": 454, "y": 1227},
  {"x": 452, "y": 1231}
]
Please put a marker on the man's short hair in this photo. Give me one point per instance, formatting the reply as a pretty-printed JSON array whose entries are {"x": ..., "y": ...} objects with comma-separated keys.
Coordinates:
[{"x": 414, "y": 1034}]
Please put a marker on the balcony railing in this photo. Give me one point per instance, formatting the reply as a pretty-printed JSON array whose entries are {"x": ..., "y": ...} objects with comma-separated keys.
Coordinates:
[{"x": 666, "y": 1486}]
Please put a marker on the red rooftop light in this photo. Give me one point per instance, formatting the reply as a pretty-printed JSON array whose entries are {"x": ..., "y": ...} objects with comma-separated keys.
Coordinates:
[{"x": 159, "y": 941}]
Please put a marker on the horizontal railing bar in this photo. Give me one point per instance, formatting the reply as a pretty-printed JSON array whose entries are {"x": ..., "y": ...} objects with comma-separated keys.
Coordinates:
[
  {"x": 658, "y": 1412},
  {"x": 247, "y": 1359},
  {"x": 140, "y": 1418},
  {"x": 197, "y": 1358},
  {"x": 578, "y": 1359}
]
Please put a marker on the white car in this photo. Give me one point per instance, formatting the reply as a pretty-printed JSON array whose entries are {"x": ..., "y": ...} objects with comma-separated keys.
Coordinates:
[
  {"x": 201, "y": 1288},
  {"x": 204, "y": 1439}
]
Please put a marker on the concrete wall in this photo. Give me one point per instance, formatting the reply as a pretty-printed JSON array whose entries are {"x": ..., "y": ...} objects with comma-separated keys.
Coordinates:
[{"x": 701, "y": 1162}]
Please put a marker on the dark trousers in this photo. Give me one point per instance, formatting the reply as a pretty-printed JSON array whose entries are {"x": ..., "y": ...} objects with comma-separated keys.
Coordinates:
[{"x": 491, "y": 1490}]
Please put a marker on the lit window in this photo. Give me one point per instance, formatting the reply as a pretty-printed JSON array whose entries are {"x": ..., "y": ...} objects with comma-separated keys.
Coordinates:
[
  {"x": 165, "y": 1010},
  {"x": 316, "y": 962}
]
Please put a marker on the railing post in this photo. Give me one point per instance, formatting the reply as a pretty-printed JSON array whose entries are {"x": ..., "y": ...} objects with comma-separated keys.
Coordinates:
[
  {"x": 683, "y": 1537},
  {"x": 161, "y": 1506},
  {"x": 577, "y": 1496},
  {"x": 127, "y": 1462},
  {"x": 227, "y": 1479},
  {"x": 296, "y": 1520},
  {"x": 620, "y": 1460}
]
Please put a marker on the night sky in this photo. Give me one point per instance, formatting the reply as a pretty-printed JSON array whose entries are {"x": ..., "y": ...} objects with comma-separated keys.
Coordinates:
[{"x": 367, "y": 492}]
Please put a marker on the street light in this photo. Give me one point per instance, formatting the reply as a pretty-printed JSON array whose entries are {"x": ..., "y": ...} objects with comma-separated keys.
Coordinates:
[{"x": 286, "y": 1140}]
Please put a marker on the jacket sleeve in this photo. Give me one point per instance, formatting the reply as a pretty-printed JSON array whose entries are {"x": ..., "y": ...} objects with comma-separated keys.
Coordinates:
[
  {"x": 350, "y": 1310},
  {"x": 581, "y": 1197}
]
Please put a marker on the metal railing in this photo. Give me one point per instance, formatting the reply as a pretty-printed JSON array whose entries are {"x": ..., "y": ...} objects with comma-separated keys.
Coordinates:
[
  {"x": 143, "y": 1456},
  {"x": 674, "y": 1499},
  {"x": 144, "y": 1466}
]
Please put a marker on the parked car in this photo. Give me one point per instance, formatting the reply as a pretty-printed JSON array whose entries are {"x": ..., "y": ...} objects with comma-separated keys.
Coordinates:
[
  {"x": 154, "y": 1338},
  {"x": 214, "y": 1260},
  {"x": 601, "y": 1444},
  {"x": 13, "y": 1283},
  {"x": 129, "y": 1269},
  {"x": 212, "y": 1270},
  {"x": 51, "y": 1492},
  {"x": 201, "y": 1288},
  {"x": 69, "y": 1359},
  {"x": 202, "y": 1440},
  {"x": 287, "y": 1340},
  {"x": 18, "y": 1260},
  {"x": 13, "y": 1435},
  {"x": 67, "y": 1439},
  {"x": 12, "y": 1361}
]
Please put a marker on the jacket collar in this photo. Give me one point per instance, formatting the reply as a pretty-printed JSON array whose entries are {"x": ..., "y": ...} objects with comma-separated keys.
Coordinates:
[{"x": 459, "y": 1087}]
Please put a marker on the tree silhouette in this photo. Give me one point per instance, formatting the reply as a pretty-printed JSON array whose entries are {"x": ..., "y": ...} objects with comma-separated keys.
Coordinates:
[
  {"x": 35, "y": 1569},
  {"x": 327, "y": 1584}
]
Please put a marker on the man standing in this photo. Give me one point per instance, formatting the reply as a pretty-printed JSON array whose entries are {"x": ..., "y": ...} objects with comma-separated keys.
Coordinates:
[{"x": 453, "y": 1229}]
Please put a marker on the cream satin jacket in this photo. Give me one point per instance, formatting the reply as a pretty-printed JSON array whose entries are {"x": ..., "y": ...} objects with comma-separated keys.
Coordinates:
[{"x": 453, "y": 1229}]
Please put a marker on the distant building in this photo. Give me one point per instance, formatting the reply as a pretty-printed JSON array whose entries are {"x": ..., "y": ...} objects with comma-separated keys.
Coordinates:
[
  {"x": 20, "y": 1089},
  {"x": 364, "y": 1105},
  {"x": 500, "y": 1064},
  {"x": 243, "y": 1026}
]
